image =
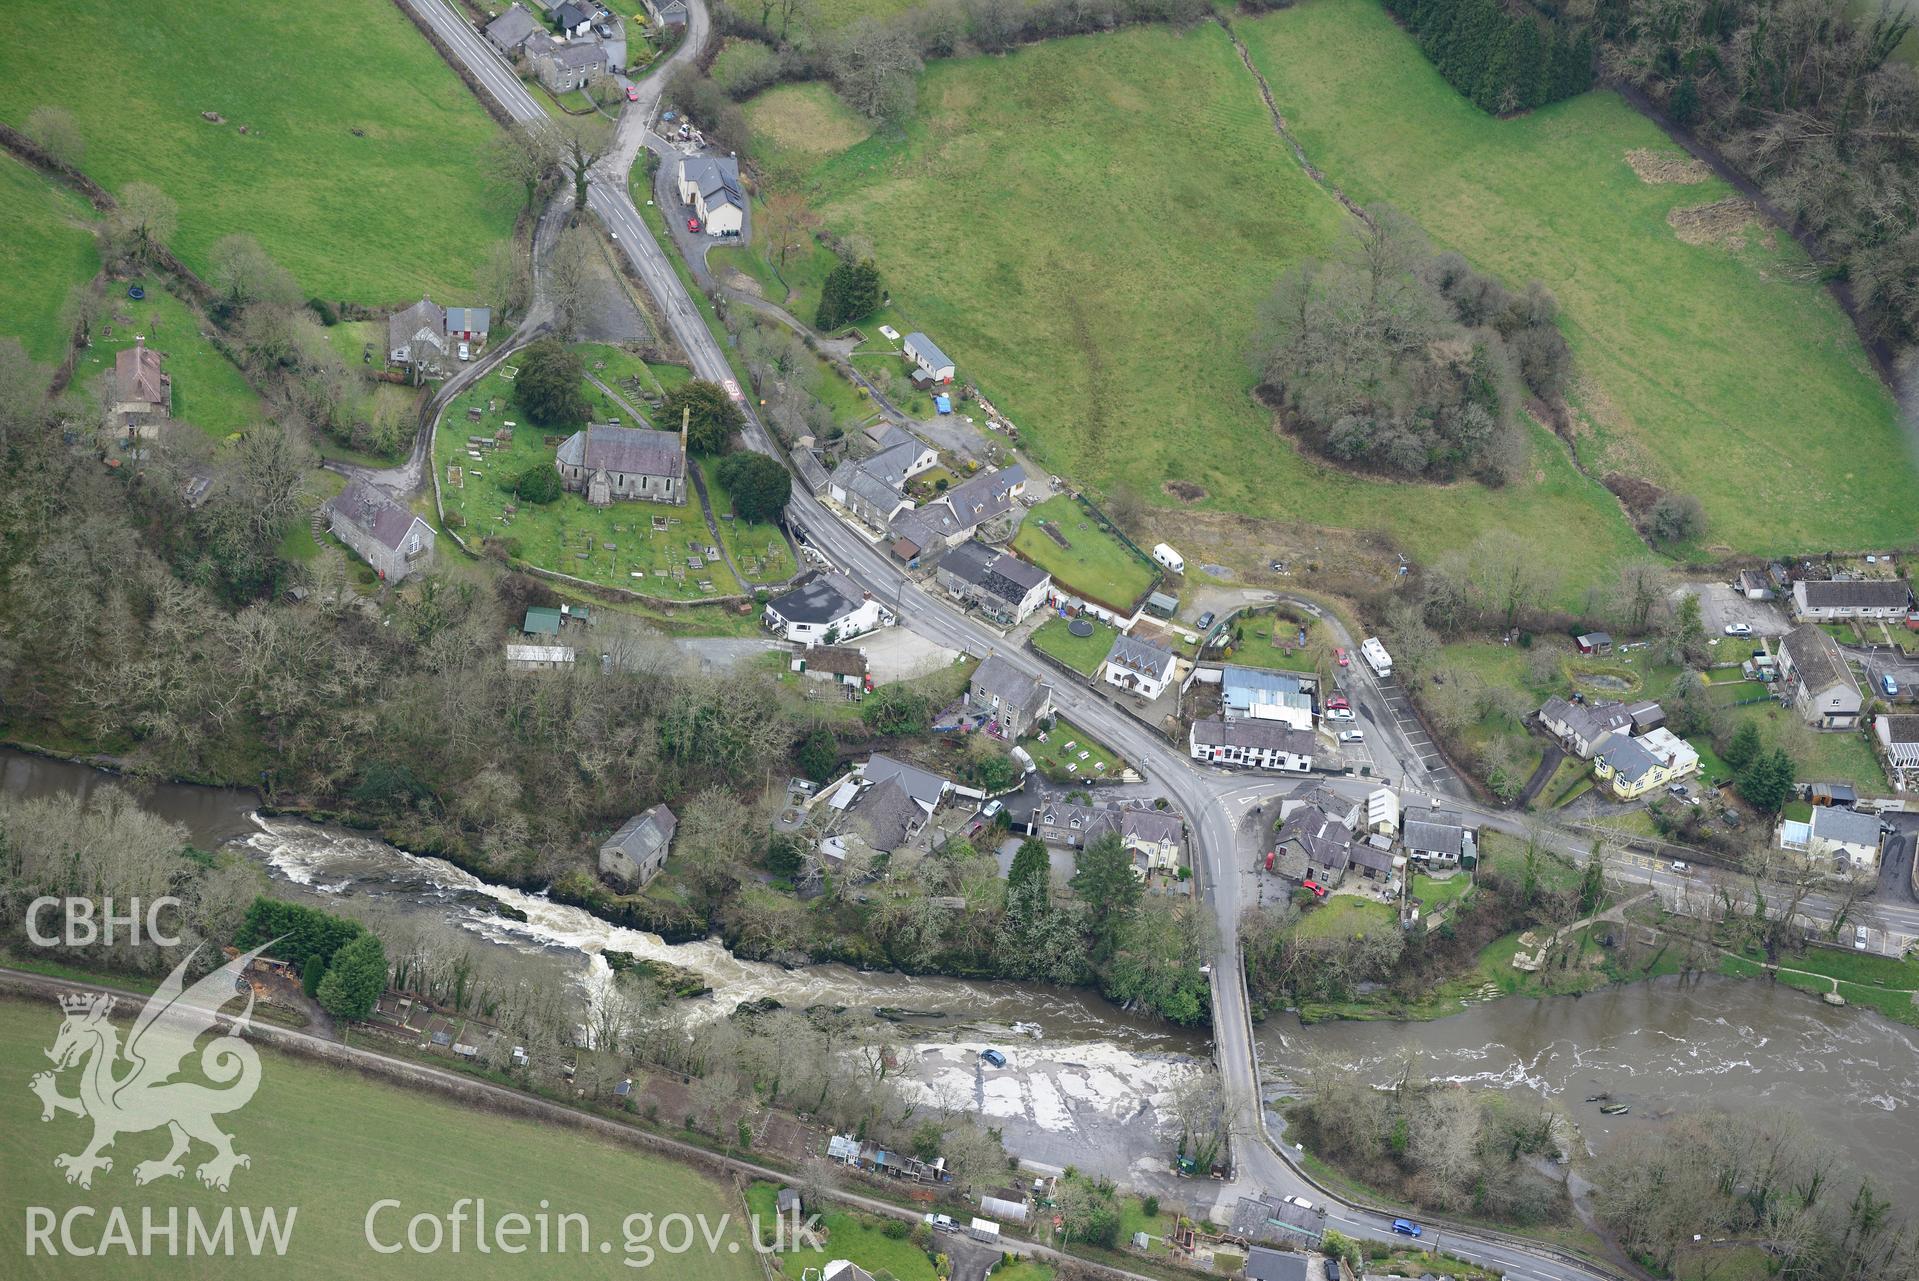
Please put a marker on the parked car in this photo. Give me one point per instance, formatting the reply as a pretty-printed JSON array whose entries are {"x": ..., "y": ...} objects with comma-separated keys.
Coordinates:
[
  {"x": 632, "y": 94},
  {"x": 1680, "y": 866},
  {"x": 1319, "y": 891},
  {"x": 1406, "y": 1227},
  {"x": 940, "y": 1222},
  {"x": 993, "y": 1057},
  {"x": 1677, "y": 789},
  {"x": 1339, "y": 714},
  {"x": 1888, "y": 684},
  {"x": 466, "y": 352},
  {"x": 1859, "y": 938},
  {"x": 1738, "y": 629},
  {"x": 1299, "y": 1201},
  {"x": 1342, "y": 657},
  {"x": 990, "y": 810},
  {"x": 1338, "y": 700},
  {"x": 1352, "y": 736},
  {"x": 1205, "y": 620}
]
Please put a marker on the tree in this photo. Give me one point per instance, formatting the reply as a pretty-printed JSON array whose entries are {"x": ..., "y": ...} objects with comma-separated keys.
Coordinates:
[
  {"x": 876, "y": 69},
  {"x": 1688, "y": 704},
  {"x": 1103, "y": 880},
  {"x": 568, "y": 280},
  {"x": 141, "y": 223},
  {"x": 1638, "y": 593},
  {"x": 355, "y": 977},
  {"x": 539, "y": 483},
  {"x": 1509, "y": 576},
  {"x": 851, "y": 292},
  {"x": 1766, "y": 781},
  {"x": 759, "y": 485},
  {"x": 505, "y": 278},
  {"x": 897, "y": 710},
  {"x": 1592, "y": 885},
  {"x": 246, "y": 274},
  {"x": 56, "y": 132},
  {"x": 23, "y": 392},
  {"x": 582, "y": 142},
  {"x": 523, "y": 155},
  {"x": 548, "y": 385},
  {"x": 819, "y": 754},
  {"x": 1743, "y": 747},
  {"x": 785, "y": 223},
  {"x": 1032, "y": 868},
  {"x": 1676, "y": 518},
  {"x": 711, "y": 415},
  {"x": 84, "y": 307},
  {"x": 312, "y": 970}
]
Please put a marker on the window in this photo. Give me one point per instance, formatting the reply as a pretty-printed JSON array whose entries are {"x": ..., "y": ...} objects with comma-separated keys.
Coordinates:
[{"x": 412, "y": 544}]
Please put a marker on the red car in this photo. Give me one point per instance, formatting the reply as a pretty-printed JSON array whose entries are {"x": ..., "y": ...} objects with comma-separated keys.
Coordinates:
[
  {"x": 1337, "y": 701},
  {"x": 1319, "y": 891},
  {"x": 692, "y": 224},
  {"x": 632, "y": 94},
  {"x": 1345, "y": 659}
]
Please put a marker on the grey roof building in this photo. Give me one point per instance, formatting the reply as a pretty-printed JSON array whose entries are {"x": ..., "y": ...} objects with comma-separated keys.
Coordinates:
[
  {"x": 385, "y": 533},
  {"x": 886, "y": 815},
  {"x": 1017, "y": 700},
  {"x": 1851, "y": 598},
  {"x": 1435, "y": 834},
  {"x": 994, "y": 577},
  {"x": 1266, "y": 1264},
  {"x": 925, "y": 787},
  {"x": 608, "y": 463},
  {"x": 1846, "y": 826},
  {"x": 1581, "y": 725},
  {"x": 635, "y": 853},
  {"x": 1819, "y": 678},
  {"x": 510, "y": 31},
  {"x": 715, "y": 178}
]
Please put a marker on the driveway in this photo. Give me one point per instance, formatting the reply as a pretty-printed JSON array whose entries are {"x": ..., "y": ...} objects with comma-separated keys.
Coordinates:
[{"x": 1720, "y": 604}]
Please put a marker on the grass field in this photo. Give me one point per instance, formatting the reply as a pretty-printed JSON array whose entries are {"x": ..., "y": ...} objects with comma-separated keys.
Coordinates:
[
  {"x": 378, "y": 218},
  {"x": 567, "y": 535},
  {"x": 331, "y": 1143},
  {"x": 1702, "y": 366},
  {"x": 208, "y": 390},
  {"x": 848, "y": 1237},
  {"x": 1095, "y": 563},
  {"x": 757, "y": 548},
  {"x": 1082, "y": 655},
  {"x": 46, "y": 247},
  {"x": 1038, "y": 218}
]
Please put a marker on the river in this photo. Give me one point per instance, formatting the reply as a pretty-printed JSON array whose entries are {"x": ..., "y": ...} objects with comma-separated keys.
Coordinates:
[{"x": 1666, "y": 1046}]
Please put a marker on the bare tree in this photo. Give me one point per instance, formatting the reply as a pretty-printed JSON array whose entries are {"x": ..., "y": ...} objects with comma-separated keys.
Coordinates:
[
  {"x": 787, "y": 223},
  {"x": 569, "y": 278},
  {"x": 523, "y": 155},
  {"x": 142, "y": 222},
  {"x": 1508, "y": 576},
  {"x": 56, "y": 132},
  {"x": 582, "y": 143},
  {"x": 246, "y": 274}
]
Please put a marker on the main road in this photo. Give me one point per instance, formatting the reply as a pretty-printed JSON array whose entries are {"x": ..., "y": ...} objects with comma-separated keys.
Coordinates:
[{"x": 1204, "y": 795}]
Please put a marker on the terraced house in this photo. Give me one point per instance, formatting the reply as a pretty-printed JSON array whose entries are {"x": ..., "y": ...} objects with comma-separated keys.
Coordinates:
[{"x": 1830, "y": 600}]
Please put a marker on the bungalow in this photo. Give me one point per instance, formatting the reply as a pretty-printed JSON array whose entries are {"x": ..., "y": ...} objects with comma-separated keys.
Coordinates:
[
  {"x": 923, "y": 353},
  {"x": 1263, "y": 695},
  {"x": 634, "y": 854},
  {"x": 142, "y": 392},
  {"x": 1580, "y": 725},
  {"x": 915, "y": 455},
  {"x": 607, "y": 462},
  {"x": 995, "y": 580},
  {"x": 1823, "y": 600},
  {"x": 824, "y": 608},
  {"x": 511, "y": 30},
  {"x": 468, "y": 324},
  {"x": 1438, "y": 837},
  {"x": 416, "y": 340},
  {"x": 382, "y": 531},
  {"x": 1632, "y": 767},
  {"x": 1844, "y": 838},
  {"x": 1259, "y": 744},
  {"x": 1018, "y": 701},
  {"x": 1899, "y": 742},
  {"x": 710, "y": 186},
  {"x": 927, "y": 789},
  {"x": 1138, "y": 666},
  {"x": 1594, "y": 643},
  {"x": 1818, "y": 679},
  {"x": 840, "y": 666}
]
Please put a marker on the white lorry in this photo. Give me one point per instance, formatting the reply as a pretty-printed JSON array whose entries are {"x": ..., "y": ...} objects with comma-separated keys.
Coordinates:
[{"x": 1376, "y": 656}]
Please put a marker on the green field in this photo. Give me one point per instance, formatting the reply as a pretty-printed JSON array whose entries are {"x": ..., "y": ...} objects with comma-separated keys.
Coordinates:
[
  {"x": 1076, "y": 279},
  {"x": 1702, "y": 368},
  {"x": 1082, "y": 655},
  {"x": 1095, "y": 563},
  {"x": 377, "y": 218},
  {"x": 329, "y": 1144},
  {"x": 46, "y": 247},
  {"x": 208, "y": 390},
  {"x": 568, "y": 535},
  {"x": 757, "y": 548},
  {"x": 848, "y": 1237}
]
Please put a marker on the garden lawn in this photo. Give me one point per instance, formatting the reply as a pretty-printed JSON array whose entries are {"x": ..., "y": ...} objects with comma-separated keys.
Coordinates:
[
  {"x": 1071, "y": 755},
  {"x": 1821, "y": 758},
  {"x": 379, "y": 218},
  {"x": 1095, "y": 563},
  {"x": 208, "y": 390},
  {"x": 848, "y": 1237},
  {"x": 1037, "y": 217},
  {"x": 1700, "y": 365},
  {"x": 757, "y": 548},
  {"x": 1345, "y": 916},
  {"x": 554, "y": 535},
  {"x": 1082, "y": 655},
  {"x": 46, "y": 247},
  {"x": 332, "y": 1143},
  {"x": 1259, "y": 649}
]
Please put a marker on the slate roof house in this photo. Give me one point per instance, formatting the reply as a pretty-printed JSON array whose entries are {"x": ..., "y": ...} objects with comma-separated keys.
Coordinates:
[
  {"x": 824, "y": 608},
  {"x": 1312, "y": 845},
  {"x": 634, "y": 855},
  {"x": 711, "y": 186},
  {"x": 565, "y": 67},
  {"x": 1824, "y": 600},
  {"x": 672, "y": 13},
  {"x": 1819, "y": 679},
  {"x": 994, "y": 579},
  {"x": 885, "y": 804},
  {"x": 1580, "y": 726},
  {"x": 1259, "y": 744},
  {"x": 955, "y": 514},
  {"x": 1017, "y": 700},
  {"x": 573, "y": 18},
  {"x": 382, "y": 531},
  {"x": 1633, "y": 767},
  {"x": 606, "y": 463},
  {"x": 142, "y": 392},
  {"x": 416, "y": 340},
  {"x": 1436, "y": 836},
  {"x": 1844, "y": 838},
  {"x": 510, "y": 31},
  {"x": 1153, "y": 837},
  {"x": 1899, "y": 742},
  {"x": 1138, "y": 666}
]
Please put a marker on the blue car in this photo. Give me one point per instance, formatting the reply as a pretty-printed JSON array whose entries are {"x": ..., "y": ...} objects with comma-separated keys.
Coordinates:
[
  {"x": 993, "y": 1057},
  {"x": 1406, "y": 1227}
]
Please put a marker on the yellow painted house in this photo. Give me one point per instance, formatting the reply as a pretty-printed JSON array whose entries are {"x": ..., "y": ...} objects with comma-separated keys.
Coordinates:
[{"x": 1632, "y": 767}]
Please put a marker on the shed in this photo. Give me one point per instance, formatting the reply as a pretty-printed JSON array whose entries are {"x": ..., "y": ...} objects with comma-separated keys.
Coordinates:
[
  {"x": 789, "y": 1201},
  {"x": 984, "y": 1230},
  {"x": 1594, "y": 643},
  {"x": 1162, "y": 604},
  {"x": 541, "y": 621}
]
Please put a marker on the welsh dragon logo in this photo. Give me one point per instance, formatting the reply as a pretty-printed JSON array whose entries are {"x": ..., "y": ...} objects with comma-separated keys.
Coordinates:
[{"x": 130, "y": 1089}]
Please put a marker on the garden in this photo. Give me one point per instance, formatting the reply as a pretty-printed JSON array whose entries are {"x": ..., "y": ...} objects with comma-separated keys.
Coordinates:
[
  {"x": 1083, "y": 654},
  {"x": 1068, "y": 754},
  {"x": 208, "y": 389},
  {"x": 1067, "y": 541}
]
